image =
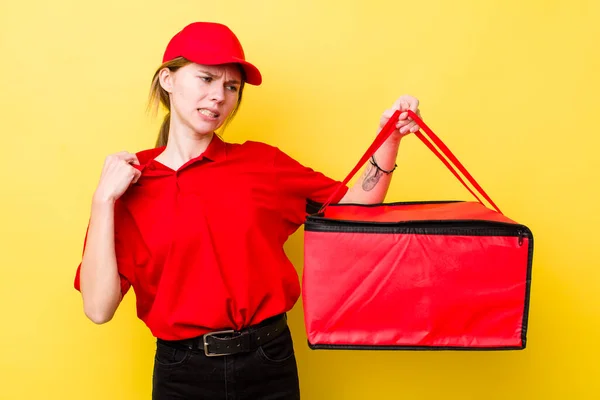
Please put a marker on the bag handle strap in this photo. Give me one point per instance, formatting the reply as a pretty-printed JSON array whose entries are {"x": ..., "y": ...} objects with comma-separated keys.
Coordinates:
[
  {"x": 385, "y": 133},
  {"x": 438, "y": 142}
]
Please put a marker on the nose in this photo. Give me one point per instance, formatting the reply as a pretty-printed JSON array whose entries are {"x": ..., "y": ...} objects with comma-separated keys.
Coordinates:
[{"x": 217, "y": 92}]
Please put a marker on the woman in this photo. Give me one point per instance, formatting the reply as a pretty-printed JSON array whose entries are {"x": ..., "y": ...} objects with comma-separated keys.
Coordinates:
[{"x": 197, "y": 227}]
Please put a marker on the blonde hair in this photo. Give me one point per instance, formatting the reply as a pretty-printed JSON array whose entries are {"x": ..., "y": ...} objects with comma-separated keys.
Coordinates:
[{"x": 159, "y": 96}]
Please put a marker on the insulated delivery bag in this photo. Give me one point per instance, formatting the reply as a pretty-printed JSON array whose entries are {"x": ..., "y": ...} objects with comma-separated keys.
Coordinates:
[{"x": 437, "y": 275}]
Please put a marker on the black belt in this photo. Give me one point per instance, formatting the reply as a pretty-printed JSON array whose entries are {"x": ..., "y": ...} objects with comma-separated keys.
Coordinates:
[{"x": 228, "y": 342}]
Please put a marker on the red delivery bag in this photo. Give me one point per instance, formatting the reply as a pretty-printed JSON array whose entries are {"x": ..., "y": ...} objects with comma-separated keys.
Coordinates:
[{"x": 437, "y": 275}]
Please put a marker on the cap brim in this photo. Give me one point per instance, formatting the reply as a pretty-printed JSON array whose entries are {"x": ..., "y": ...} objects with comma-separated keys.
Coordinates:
[{"x": 253, "y": 76}]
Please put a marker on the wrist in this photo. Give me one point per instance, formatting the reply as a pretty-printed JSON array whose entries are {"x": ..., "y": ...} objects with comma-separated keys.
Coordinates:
[
  {"x": 100, "y": 199},
  {"x": 393, "y": 140},
  {"x": 385, "y": 171}
]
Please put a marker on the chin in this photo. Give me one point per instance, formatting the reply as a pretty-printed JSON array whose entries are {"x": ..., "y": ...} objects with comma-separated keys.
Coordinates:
[
  {"x": 204, "y": 132},
  {"x": 204, "y": 128}
]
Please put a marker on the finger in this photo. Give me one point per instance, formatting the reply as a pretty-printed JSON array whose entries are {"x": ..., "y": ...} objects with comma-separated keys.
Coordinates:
[
  {"x": 402, "y": 123},
  {"x": 413, "y": 104},
  {"x": 413, "y": 127},
  {"x": 122, "y": 155},
  {"x": 418, "y": 113},
  {"x": 137, "y": 174},
  {"x": 388, "y": 113},
  {"x": 130, "y": 158},
  {"x": 401, "y": 104},
  {"x": 385, "y": 117},
  {"x": 410, "y": 127}
]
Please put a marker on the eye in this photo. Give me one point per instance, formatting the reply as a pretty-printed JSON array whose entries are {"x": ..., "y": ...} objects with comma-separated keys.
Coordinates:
[
  {"x": 232, "y": 88},
  {"x": 206, "y": 79}
]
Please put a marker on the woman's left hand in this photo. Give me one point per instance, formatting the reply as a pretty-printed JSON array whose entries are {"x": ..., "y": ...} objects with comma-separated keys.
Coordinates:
[{"x": 405, "y": 125}]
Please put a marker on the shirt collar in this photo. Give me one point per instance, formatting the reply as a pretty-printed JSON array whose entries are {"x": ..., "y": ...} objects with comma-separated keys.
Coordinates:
[{"x": 216, "y": 151}]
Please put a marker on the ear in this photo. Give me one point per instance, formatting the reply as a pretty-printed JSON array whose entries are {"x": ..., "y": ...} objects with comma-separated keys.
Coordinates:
[{"x": 165, "y": 77}]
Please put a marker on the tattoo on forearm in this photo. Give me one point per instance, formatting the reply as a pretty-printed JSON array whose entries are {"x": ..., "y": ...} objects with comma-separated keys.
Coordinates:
[{"x": 372, "y": 176}]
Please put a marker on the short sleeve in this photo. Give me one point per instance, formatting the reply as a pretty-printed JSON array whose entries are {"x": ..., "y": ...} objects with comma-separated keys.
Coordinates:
[
  {"x": 124, "y": 257},
  {"x": 298, "y": 184}
]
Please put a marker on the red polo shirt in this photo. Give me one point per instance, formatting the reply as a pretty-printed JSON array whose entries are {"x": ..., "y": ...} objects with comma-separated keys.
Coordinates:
[{"x": 203, "y": 246}]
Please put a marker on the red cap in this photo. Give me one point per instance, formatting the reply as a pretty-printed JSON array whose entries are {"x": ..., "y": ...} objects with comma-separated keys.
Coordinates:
[{"x": 210, "y": 43}]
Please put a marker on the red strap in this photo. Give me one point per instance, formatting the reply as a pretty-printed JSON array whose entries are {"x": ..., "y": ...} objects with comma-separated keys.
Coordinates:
[
  {"x": 387, "y": 130},
  {"x": 438, "y": 142},
  {"x": 384, "y": 133},
  {"x": 446, "y": 163}
]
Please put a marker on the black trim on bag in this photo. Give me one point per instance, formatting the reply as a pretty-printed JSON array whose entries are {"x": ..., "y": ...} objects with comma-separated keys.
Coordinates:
[
  {"x": 424, "y": 227},
  {"x": 527, "y": 290}
]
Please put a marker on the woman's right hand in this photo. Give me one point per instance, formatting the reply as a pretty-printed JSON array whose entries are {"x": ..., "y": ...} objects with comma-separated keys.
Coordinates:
[{"x": 117, "y": 175}]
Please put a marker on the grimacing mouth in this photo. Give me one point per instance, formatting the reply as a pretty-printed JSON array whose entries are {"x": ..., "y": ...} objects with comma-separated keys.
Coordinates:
[{"x": 209, "y": 113}]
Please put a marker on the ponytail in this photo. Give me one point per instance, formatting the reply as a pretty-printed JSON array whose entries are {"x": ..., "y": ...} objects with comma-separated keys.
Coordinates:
[
  {"x": 163, "y": 134},
  {"x": 159, "y": 96}
]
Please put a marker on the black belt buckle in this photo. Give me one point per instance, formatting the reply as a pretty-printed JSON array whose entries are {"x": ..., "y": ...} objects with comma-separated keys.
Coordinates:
[{"x": 206, "y": 352}]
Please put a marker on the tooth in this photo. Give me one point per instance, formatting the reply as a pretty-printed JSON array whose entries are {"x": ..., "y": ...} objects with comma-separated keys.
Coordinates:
[{"x": 208, "y": 113}]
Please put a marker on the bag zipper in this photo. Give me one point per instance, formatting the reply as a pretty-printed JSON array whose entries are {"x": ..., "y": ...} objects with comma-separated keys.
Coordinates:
[{"x": 426, "y": 227}]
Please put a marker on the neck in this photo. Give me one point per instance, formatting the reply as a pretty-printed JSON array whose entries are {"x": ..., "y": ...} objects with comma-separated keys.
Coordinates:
[{"x": 183, "y": 145}]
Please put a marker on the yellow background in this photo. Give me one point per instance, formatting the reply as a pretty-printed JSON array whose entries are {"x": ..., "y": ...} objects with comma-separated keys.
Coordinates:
[{"x": 512, "y": 88}]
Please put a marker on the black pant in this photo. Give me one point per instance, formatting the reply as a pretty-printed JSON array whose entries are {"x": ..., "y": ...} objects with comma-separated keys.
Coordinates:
[{"x": 267, "y": 373}]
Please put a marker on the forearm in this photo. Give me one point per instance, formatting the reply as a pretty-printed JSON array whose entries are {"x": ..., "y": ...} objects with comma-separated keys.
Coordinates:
[
  {"x": 372, "y": 186},
  {"x": 100, "y": 283}
]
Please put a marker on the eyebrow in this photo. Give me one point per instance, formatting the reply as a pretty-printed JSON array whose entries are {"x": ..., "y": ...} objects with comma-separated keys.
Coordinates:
[{"x": 217, "y": 76}]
